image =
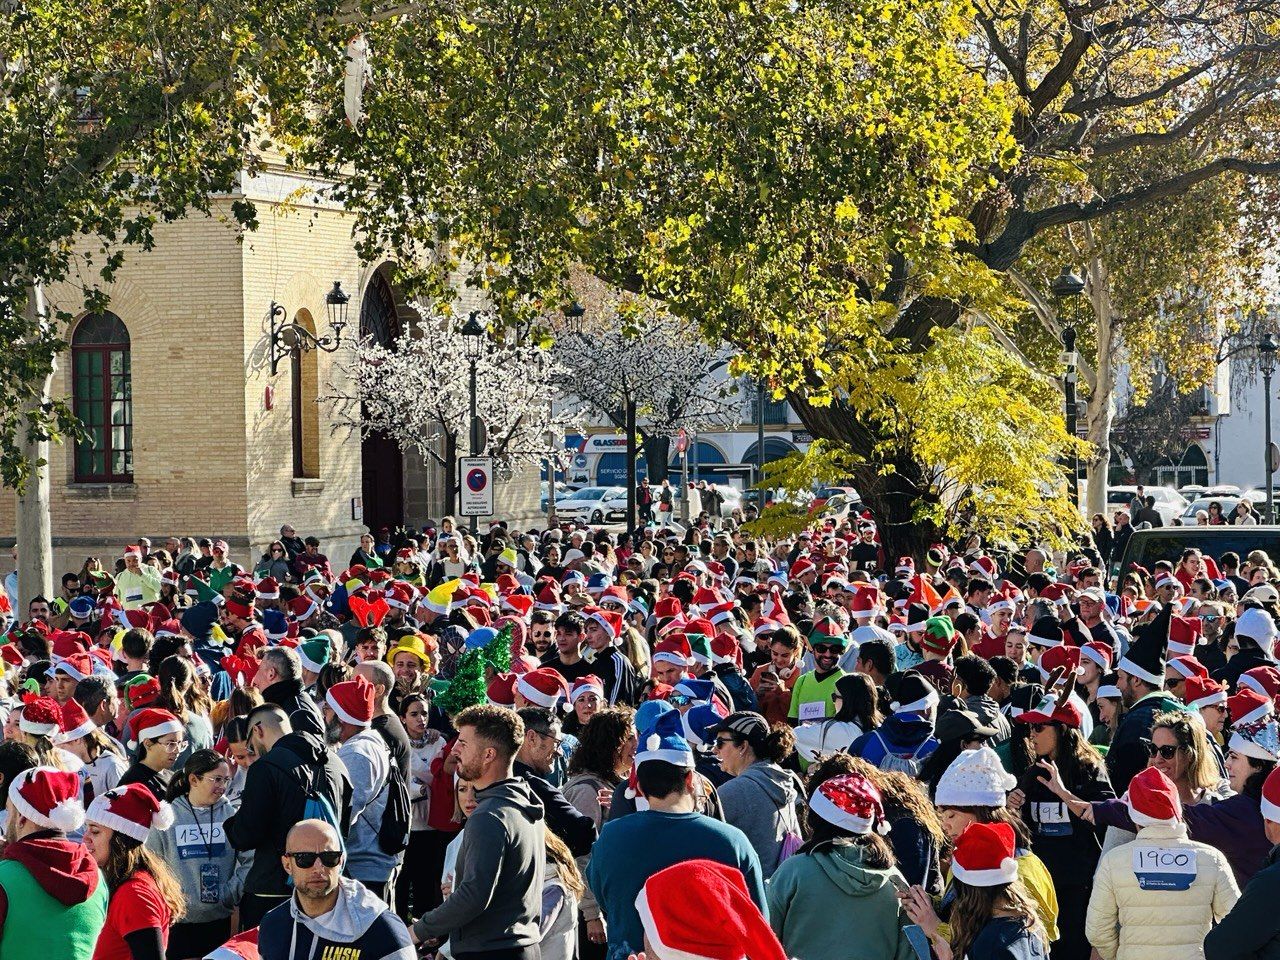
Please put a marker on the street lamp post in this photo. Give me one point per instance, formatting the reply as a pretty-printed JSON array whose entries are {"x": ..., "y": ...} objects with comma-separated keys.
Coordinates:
[
  {"x": 473, "y": 334},
  {"x": 1066, "y": 286},
  {"x": 1267, "y": 360}
]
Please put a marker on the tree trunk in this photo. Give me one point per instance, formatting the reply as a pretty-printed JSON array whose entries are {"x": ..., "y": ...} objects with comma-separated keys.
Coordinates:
[
  {"x": 889, "y": 486},
  {"x": 450, "y": 472},
  {"x": 657, "y": 452},
  {"x": 1101, "y": 408},
  {"x": 34, "y": 534}
]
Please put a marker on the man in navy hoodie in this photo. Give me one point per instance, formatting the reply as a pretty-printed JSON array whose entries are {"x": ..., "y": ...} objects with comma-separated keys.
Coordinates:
[{"x": 328, "y": 915}]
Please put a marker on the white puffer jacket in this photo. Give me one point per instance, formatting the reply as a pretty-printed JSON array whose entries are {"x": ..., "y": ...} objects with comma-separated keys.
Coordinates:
[{"x": 1126, "y": 922}]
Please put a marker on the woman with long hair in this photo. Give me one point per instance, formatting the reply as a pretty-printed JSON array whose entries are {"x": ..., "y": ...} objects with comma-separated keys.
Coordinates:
[
  {"x": 1104, "y": 537},
  {"x": 274, "y": 563},
  {"x": 1068, "y": 845},
  {"x": 992, "y": 917},
  {"x": 857, "y": 711},
  {"x": 146, "y": 898},
  {"x": 177, "y": 677},
  {"x": 563, "y": 888},
  {"x": 837, "y": 897},
  {"x": 760, "y": 799},
  {"x": 413, "y": 889},
  {"x": 1110, "y": 706},
  {"x": 160, "y": 738},
  {"x": 209, "y": 871},
  {"x": 975, "y": 789},
  {"x": 601, "y": 761},
  {"x": 39, "y": 722}
]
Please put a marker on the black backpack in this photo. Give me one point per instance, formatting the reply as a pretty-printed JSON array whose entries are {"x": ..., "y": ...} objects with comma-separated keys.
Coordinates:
[{"x": 393, "y": 832}]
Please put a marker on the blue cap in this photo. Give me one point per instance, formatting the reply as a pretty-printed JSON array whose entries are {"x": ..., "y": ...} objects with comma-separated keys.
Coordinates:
[
  {"x": 480, "y": 636},
  {"x": 665, "y": 741}
]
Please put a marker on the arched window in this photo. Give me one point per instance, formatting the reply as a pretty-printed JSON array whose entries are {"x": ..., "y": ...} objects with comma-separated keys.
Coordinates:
[{"x": 102, "y": 396}]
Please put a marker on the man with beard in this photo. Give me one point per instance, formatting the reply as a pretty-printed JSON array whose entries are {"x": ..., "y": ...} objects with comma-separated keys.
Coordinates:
[
  {"x": 811, "y": 695},
  {"x": 496, "y": 904}
]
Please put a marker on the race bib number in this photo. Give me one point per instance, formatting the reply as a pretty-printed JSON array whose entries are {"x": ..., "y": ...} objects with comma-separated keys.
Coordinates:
[
  {"x": 1052, "y": 819},
  {"x": 133, "y": 595},
  {"x": 1164, "y": 868},
  {"x": 198, "y": 842},
  {"x": 813, "y": 710}
]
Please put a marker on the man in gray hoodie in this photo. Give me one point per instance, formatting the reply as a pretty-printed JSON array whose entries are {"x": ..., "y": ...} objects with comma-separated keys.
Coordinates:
[{"x": 495, "y": 908}]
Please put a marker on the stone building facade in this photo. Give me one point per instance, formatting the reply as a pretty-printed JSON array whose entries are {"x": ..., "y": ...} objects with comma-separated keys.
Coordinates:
[{"x": 195, "y": 436}]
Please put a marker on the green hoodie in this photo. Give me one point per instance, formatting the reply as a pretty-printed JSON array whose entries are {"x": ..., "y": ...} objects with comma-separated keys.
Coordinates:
[{"x": 825, "y": 904}]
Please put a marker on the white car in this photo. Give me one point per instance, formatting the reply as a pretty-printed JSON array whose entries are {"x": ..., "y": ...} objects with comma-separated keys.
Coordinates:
[
  {"x": 1169, "y": 503},
  {"x": 588, "y": 504}
]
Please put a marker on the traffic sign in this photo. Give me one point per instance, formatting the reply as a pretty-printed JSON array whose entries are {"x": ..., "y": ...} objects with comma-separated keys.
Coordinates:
[
  {"x": 476, "y": 486},
  {"x": 682, "y": 441},
  {"x": 1273, "y": 457}
]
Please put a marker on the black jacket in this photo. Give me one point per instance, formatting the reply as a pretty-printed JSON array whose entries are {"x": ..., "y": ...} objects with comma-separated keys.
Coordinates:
[
  {"x": 1252, "y": 928},
  {"x": 1237, "y": 665},
  {"x": 1127, "y": 755},
  {"x": 577, "y": 830},
  {"x": 304, "y": 713},
  {"x": 273, "y": 801},
  {"x": 1069, "y": 846}
]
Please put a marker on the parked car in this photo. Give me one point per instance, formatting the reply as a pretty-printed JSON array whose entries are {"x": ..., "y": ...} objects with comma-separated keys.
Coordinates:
[
  {"x": 1227, "y": 503},
  {"x": 1169, "y": 503},
  {"x": 1147, "y": 547},
  {"x": 824, "y": 494},
  {"x": 588, "y": 504}
]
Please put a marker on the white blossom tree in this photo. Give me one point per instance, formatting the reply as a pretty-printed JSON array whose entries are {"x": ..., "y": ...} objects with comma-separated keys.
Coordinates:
[
  {"x": 417, "y": 391},
  {"x": 626, "y": 349}
]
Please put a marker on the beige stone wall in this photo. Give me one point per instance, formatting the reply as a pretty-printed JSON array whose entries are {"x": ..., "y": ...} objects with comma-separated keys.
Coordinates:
[{"x": 212, "y": 457}]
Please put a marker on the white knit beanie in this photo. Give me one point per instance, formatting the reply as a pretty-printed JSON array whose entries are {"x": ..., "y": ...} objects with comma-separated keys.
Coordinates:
[{"x": 976, "y": 778}]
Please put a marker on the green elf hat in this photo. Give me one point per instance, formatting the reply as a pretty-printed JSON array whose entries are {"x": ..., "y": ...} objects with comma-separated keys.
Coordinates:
[
  {"x": 314, "y": 654},
  {"x": 938, "y": 636},
  {"x": 828, "y": 630}
]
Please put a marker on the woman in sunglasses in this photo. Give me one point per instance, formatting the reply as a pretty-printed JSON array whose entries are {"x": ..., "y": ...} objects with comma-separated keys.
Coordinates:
[
  {"x": 1068, "y": 845},
  {"x": 1233, "y": 825},
  {"x": 209, "y": 871}
]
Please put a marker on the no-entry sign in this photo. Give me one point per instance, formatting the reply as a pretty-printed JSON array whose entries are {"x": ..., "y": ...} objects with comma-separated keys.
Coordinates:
[{"x": 477, "y": 486}]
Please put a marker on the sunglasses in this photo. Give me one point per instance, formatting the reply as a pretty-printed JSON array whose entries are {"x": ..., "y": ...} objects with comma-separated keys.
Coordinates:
[
  {"x": 1166, "y": 751},
  {"x": 722, "y": 741},
  {"x": 826, "y": 648},
  {"x": 307, "y": 859},
  {"x": 679, "y": 700},
  {"x": 1040, "y": 727}
]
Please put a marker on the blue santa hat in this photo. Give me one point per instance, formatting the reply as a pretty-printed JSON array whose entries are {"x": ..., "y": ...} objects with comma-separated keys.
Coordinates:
[
  {"x": 276, "y": 624},
  {"x": 700, "y": 690},
  {"x": 599, "y": 582},
  {"x": 665, "y": 741},
  {"x": 697, "y": 723},
  {"x": 648, "y": 713},
  {"x": 82, "y": 607},
  {"x": 199, "y": 620}
]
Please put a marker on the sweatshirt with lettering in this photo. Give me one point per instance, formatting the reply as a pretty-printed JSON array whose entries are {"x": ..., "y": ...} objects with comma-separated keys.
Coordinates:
[{"x": 210, "y": 871}]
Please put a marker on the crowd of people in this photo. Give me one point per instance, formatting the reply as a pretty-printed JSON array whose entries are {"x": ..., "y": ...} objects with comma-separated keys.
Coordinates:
[{"x": 683, "y": 743}]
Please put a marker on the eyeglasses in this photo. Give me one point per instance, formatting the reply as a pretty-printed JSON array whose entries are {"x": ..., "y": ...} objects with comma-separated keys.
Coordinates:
[
  {"x": 307, "y": 859},
  {"x": 547, "y": 736},
  {"x": 1165, "y": 751},
  {"x": 220, "y": 781},
  {"x": 174, "y": 745}
]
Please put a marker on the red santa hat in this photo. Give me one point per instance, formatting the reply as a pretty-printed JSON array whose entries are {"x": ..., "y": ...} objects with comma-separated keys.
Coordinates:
[
  {"x": 701, "y": 910},
  {"x": 1068, "y": 658},
  {"x": 799, "y": 567},
  {"x": 1271, "y": 796},
  {"x": 268, "y": 588},
  {"x": 610, "y": 620},
  {"x": 303, "y": 608},
  {"x": 721, "y": 612},
  {"x": 1187, "y": 667},
  {"x": 135, "y": 551},
  {"x": 41, "y": 716},
  {"x": 584, "y": 685},
  {"x": 1266, "y": 680},
  {"x": 1153, "y": 799},
  {"x": 673, "y": 648},
  {"x": 398, "y": 596},
  {"x": 543, "y": 687},
  {"x": 152, "y": 723},
  {"x": 864, "y": 603},
  {"x": 132, "y": 810},
  {"x": 1248, "y": 706},
  {"x": 984, "y": 855},
  {"x": 1100, "y": 653},
  {"x": 77, "y": 666},
  {"x": 1203, "y": 692},
  {"x": 667, "y": 607},
  {"x": 49, "y": 797},
  {"x": 519, "y": 604},
  {"x": 548, "y": 598},
  {"x": 75, "y": 722},
  {"x": 243, "y": 946},
  {"x": 501, "y": 691},
  {"x": 1184, "y": 634},
  {"x": 66, "y": 642},
  {"x": 725, "y": 649},
  {"x": 352, "y": 700},
  {"x": 852, "y": 803}
]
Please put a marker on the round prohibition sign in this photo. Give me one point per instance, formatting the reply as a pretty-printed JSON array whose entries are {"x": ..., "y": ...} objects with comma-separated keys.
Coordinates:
[{"x": 477, "y": 480}]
